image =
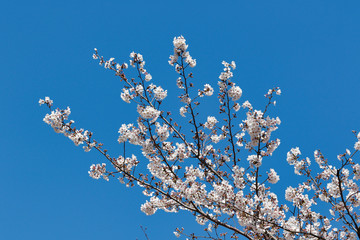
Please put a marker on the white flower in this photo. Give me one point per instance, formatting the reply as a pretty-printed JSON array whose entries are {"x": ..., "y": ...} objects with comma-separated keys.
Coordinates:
[
  {"x": 148, "y": 77},
  {"x": 190, "y": 61},
  {"x": 185, "y": 99},
  {"x": 47, "y": 101},
  {"x": 180, "y": 43},
  {"x": 208, "y": 90},
  {"x": 215, "y": 138},
  {"x": 357, "y": 146},
  {"x": 125, "y": 96},
  {"x": 348, "y": 152},
  {"x": 179, "y": 83},
  {"x": 293, "y": 155},
  {"x": 236, "y": 107},
  {"x": 183, "y": 110},
  {"x": 247, "y": 104},
  {"x": 148, "y": 112},
  {"x": 235, "y": 93},
  {"x": 209, "y": 228},
  {"x": 211, "y": 121},
  {"x": 254, "y": 160},
  {"x": 97, "y": 171},
  {"x": 139, "y": 89},
  {"x": 356, "y": 170},
  {"x": 273, "y": 177},
  {"x": 55, "y": 120},
  {"x": 290, "y": 193},
  {"x": 148, "y": 208},
  {"x": 162, "y": 131},
  {"x": 78, "y": 137},
  {"x": 160, "y": 94},
  {"x": 109, "y": 63}
]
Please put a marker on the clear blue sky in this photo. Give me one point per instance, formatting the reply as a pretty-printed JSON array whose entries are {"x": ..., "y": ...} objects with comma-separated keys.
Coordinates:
[{"x": 310, "y": 49}]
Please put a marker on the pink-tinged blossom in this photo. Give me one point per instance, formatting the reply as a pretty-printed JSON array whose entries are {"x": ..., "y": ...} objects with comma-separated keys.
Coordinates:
[
  {"x": 273, "y": 177},
  {"x": 147, "y": 147},
  {"x": 56, "y": 120},
  {"x": 89, "y": 146},
  {"x": 217, "y": 138},
  {"x": 293, "y": 155},
  {"x": 208, "y": 90},
  {"x": 180, "y": 43},
  {"x": 272, "y": 146},
  {"x": 290, "y": 193},
  {"x": 225, "y": 76},
  {"x": 148, "y": 112},
  {"x": 127, "y": 164},
  {"x": 180, "y": 153},
  {"x": 254, "y": 160},
  {"x": 46, "y": 101},
  {"x": 292, "y": 225},
  {"x": 348, "y": 152},
  {"x": 109, "y": 63},
  {"x": 139, "y": 90},
  {"x": 253, "y": 125},
  {"x": 357, "y": 146},
  {"x": 97, "y": 171},
  {"x": 211, "y": 122},
  {"x": 201, "y": 220},
  {"x": 319, "y": 159},
  {"x": 78, "y": 136},
  {"x": 235, "y": 93},
  {"x": 162, "y": 131},
  {"x": 240, "y": 139},
  {"x": 180, "y": 50},
  {"x": 185, "y": 99},
  {"x": 130, "y": 133},
  {"x": 160, "y": 94},
  {"x": 192, "y": 62},
  {"x": 148, "y": 77},
  {"x": 180, "y": 83},
  {"x": 183, "y": 110},
  {"x": 301, "y": 165},
  {"x": 356, "y": 170},
  {"x": 276, "y": 90},
  {"x": 247, "y": 105},
  {"x": 238, "y": 176},
  {"x": 236, "y": 107},
  {"x": 126, "y": 96},
  {"x": 222, "y": 193},
  {"x": 222, "y": 85},
  {"x": 333, "y": 187},
  {"x": 148, "y": 208}
]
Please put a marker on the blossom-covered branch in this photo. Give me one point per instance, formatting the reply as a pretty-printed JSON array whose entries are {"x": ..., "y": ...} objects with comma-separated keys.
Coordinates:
[{"x": 212, "y": 166}]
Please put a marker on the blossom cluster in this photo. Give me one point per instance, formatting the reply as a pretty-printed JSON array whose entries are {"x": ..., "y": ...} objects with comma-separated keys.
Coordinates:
[{"x": 180, "y": 48}]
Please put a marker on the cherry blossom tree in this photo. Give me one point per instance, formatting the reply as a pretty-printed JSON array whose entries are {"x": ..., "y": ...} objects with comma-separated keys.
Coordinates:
[{"x": 212, "y": 166}]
